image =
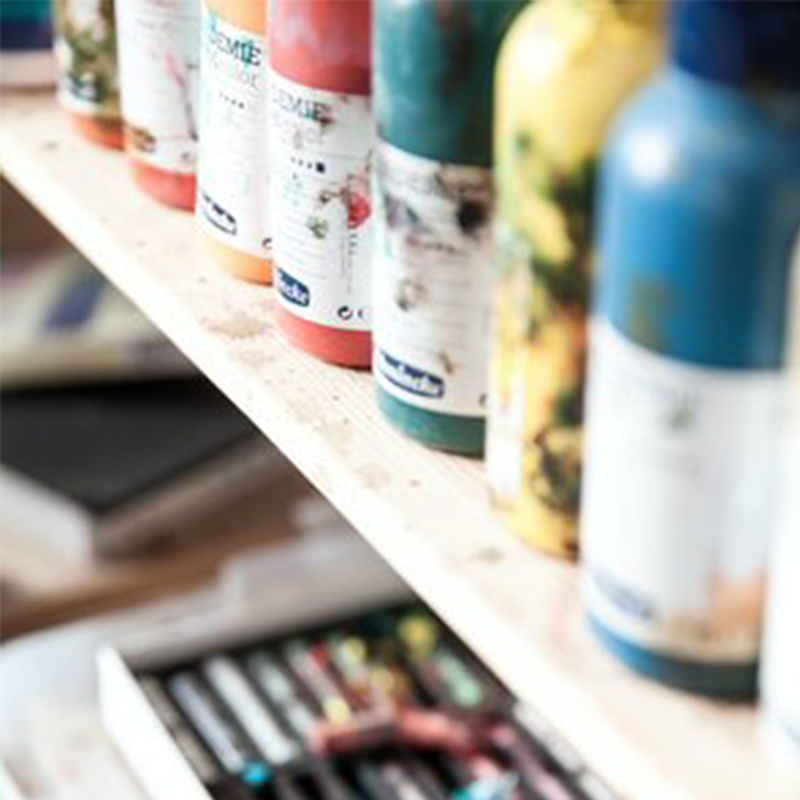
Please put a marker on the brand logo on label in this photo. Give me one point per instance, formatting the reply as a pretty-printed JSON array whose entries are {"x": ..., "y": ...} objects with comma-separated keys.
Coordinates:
[
  {"x": 410, "y": 379},
  {"x": 302, "y": 107},
  {"x": 217, "y": 215},
  {"x": 292, "y": 290},
  {"x": 245, "y": 51},
  {"x": 623, "y": 598}
]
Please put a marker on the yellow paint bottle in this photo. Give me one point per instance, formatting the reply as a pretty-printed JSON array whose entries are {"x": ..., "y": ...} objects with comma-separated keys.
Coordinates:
[{"x": 565, "y": 70}]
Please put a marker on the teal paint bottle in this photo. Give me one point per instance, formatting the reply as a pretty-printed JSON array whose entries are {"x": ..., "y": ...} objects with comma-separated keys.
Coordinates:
[
  {"x": 434, "y": 205},
  {"x": 699, "y": 219}
]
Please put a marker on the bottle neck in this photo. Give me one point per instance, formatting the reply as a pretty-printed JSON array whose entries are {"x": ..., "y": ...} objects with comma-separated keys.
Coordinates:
[
  {"x": 644, "y": 13},
  {"x": 781, "y": 106}
]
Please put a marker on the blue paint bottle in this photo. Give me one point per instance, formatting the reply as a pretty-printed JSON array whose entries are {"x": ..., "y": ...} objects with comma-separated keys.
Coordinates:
[{"x": 700, "y": 215}]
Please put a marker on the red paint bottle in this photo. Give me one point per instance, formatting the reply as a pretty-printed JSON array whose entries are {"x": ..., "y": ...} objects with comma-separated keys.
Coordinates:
[{"x": 321, "y": 138}]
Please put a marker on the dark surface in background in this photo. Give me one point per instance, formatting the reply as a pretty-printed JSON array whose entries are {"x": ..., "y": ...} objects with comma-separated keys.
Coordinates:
[{"x": 105, "y": 445}]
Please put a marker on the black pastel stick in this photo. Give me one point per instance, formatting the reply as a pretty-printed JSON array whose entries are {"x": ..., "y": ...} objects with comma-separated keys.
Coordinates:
[
  {"x": 425, "y": 777},
  {"x": 236, "y": 755},
  {"x": 273, "y": 681},
  {"x": 371, "y": 782},
  {"x": 545, "y": 739},
  {"x": 332, "y": 787},
  {"x": 288, "y": 789},
  {"x": 254, "y": 716},
  {"x": 219, "y": 785},
  {"x": 400, "y": 781}
]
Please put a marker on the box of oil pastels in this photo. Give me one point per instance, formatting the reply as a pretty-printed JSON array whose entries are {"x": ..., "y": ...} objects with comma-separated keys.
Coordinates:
[{"x": 334, "y": 684}]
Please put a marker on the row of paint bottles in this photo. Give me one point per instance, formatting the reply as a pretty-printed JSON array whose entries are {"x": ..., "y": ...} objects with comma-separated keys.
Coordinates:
[
  {"x": 699, "y": 217},
  {"x": 88, "y": 80},
  {"x": 565, "y": 71},
  {"x": 129, "y": 75},
  {"x": 434, "y": 213},
  {"x": 26, "y": 43}
]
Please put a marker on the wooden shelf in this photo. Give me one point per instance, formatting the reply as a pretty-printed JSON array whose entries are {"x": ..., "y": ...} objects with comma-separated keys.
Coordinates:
[{"x": 426, "y": 513}]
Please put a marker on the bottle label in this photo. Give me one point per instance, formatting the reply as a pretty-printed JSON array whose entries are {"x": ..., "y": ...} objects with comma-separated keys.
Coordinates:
[
  {"x": 780, "y": 688},
  {"x": 159, "y": 68},
  {"x": 678, "y": 499},
  {"x": 433, "y": 280},
  {"x": 86, "y": 49},
  {"x": 321, "y": 145},
  {"x": 233, "y": 179}
]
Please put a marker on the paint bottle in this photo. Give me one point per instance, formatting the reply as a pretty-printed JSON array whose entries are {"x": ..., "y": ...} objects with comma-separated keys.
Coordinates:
[
  {"x": 780, "y": 688},
  {"x": 232, "y": 174},
  {"x": 159, "y": 68},
  {"x": 26, "y": 40},
  {"x": 434, "y": 203},
  {"x": 321, "y": 140},
  {"x": 700, "y": 211},
  {"x": 565, "y": 70},
  {"x": 86, "y": 53}
]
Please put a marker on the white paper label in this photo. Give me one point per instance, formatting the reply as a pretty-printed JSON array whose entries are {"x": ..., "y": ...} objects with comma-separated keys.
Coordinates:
[
  {"x": 678, "y": 499},
  {"x": 433, "y": 279},
  {"x": 159, "y": 55},
  {"x": 233, "y": 179},
  {"x": 780, "y": 678},
  {"x": 85, "y": 48},
  {"x": 320, "y": 146}
]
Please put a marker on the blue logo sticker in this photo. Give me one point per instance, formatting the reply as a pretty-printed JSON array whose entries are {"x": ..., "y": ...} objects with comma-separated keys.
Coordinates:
[
  {"x": 293, "y": 290},
  {"x": 410, "y": 379}
]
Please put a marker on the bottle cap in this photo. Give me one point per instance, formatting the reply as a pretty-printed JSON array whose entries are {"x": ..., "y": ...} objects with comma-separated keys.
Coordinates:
[{"x": 750, "y": 43}]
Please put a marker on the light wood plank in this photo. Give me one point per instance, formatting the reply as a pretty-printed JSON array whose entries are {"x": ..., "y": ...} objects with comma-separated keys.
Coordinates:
[{"x": 426, "y": 513}]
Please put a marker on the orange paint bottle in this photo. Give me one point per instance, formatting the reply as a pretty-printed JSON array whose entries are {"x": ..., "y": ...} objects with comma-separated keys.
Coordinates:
[{"x": 233, "y": 180}]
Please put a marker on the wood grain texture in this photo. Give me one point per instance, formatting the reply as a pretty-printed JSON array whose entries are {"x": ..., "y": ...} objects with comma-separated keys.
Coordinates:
[{"x": 426, "y": 513}]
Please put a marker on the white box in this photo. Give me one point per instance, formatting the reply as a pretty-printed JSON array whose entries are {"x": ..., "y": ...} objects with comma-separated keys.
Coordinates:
[{"x": 304, "y": 584}]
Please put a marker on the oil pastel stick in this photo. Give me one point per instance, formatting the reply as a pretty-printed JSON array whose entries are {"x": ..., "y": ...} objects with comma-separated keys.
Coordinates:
[
  {"x": 420, "y": 634},
  {"x": 446, "y": 674},
  {"x": 350, "y": 655},
  {"x": 318, "y": 681},
  {"x": 505, "y": 787},
  {"x": 254, "y": 716},
  {"x": 371, "y": 782},
  {"x": 235, "y": 754},
  {"x": 367, "y": 730},
  {"x": 401, "y": 782},
  {"x": 219, "y": 785},
  {"x": 388, "y": 670},
  {"x": 540, "y": 779},
  {"x": 593, "y": 788},
  {"x": 332, "y": 786},
  {"x": 323, "y": 657},
  {"x": 425, "y": 777},
  {"x": 467, "y": 689},
  {"x": 545, "y": 739},
  {"x": 288, "y": 789},
  {"x": 270, "y": 677}
]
